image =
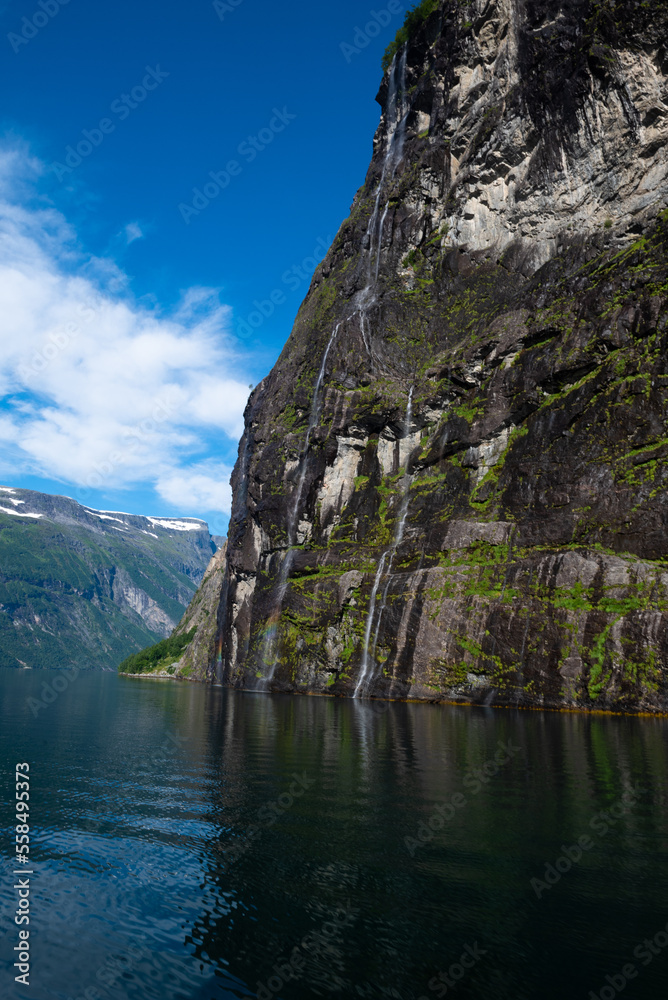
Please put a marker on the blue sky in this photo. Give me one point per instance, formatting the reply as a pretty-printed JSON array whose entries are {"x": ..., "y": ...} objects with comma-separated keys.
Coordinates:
[{"x": 125, "y": 295}]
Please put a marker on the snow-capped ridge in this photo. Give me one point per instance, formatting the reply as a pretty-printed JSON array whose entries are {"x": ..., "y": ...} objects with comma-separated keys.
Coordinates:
[{"x": 176, "y": 524}]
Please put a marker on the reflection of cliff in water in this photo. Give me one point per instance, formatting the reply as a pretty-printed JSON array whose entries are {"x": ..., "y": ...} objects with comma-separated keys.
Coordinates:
[{"x": 283, "y": 865}]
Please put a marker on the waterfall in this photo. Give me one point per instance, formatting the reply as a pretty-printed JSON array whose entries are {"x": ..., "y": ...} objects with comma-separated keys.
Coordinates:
[
  {"x": 367, "y": 667},
  {"x": 268, "y": 644},
  {"x": 396, "y": 115},
  {"x": 380, "y": 243},
  {"x": 313, "y": 419},
  {"x": 365, "y": 333},
  {"x": 402, "y": 113},
  {"x": 364, "y": 668},
  {"x": 396, "y": 130}
]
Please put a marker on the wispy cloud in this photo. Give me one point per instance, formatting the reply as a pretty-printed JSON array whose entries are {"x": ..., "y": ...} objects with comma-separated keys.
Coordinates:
[
  {"x": 203, "y": 487},
  {"x": 98, "y": 389},
  {"x": 133, "y": 231}
]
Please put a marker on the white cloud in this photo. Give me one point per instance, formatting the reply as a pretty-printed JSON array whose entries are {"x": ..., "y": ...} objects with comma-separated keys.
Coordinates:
[
  {"x": 100, "y": 391},
  {"x": 133, "y": 231},
  {"x": 202, "y": 488}
]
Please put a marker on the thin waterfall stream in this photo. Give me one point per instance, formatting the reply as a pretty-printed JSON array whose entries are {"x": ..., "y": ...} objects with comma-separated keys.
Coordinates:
[
  {"x": 396, "y": 115},
  {"x": 395, "y": 143},
  {"x": 395, "y": 151},
  {"x": 268, "y": 644},
  {"x": 387, "y": 162},
  {"x": 369, "y": 659}
]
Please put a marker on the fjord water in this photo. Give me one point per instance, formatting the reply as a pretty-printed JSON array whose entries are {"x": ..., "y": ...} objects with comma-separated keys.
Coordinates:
[{"x": 272, "y": 828}]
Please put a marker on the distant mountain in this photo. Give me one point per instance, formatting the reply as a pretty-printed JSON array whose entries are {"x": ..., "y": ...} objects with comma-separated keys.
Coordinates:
[
  {"x": 86, "y": 587},
  {"x": 192, "y": 649}
]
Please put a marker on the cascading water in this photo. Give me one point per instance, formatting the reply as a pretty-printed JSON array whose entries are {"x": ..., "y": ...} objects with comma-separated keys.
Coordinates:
[
  {"x": 393, "y": 155},
  {"x": 402, "y": 112},
  {"x": 293, "y": 519},
  {"x": 364, "y": 667},
  {"x": 380, "y": 243},
  {"x": 365, "y": 332},
  {"x": 369, "y": 662},
  {"x": 313, "y": 419},
  {"x": 396, "y": 115},
  {"x": 387, "y": 161}
]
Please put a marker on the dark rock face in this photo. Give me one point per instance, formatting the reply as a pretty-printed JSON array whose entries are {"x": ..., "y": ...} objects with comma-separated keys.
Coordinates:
[{"x": 452, "y": 484}]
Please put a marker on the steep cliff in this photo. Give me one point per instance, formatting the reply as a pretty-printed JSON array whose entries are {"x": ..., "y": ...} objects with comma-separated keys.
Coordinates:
[
  {"x": 200, "y": 657},
  {"x": 85, "y": 587},
  {"x": 452, "y": 484}
]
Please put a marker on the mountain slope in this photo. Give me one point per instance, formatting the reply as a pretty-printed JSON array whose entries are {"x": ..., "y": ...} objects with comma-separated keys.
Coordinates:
[
  {"x": 86, "y": 588},
  {"x": 453, "y": 483},
  {"x": 192, "y": 651}
]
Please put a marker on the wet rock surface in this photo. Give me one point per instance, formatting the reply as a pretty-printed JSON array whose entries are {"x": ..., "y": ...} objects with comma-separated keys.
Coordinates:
[{"x": 505, "y": 265}]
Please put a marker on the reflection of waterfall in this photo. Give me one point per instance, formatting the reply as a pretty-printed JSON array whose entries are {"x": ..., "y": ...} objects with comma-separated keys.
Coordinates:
[
  {"x": 268, "y": 655},
  {"x": 369, "y": 661}
]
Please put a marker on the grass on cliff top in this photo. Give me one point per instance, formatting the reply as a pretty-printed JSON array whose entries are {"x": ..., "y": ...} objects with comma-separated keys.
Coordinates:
[
  {"x": 414, "y": 18},
  {"x": 162, "y": 654}
]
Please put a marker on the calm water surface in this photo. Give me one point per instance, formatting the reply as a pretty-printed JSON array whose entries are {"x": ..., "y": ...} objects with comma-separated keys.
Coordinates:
[{"x": 281, "y": 847}]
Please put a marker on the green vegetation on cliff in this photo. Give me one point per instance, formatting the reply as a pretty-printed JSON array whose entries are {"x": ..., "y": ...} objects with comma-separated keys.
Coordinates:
[
  {"x": 414, "y": 18},
  {"x": 158, "y": 657}
]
